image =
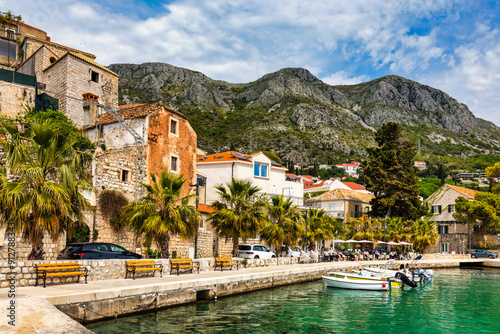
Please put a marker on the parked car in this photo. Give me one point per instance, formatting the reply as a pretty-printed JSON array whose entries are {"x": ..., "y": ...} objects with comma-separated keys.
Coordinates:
[
  {"x": 95, "y": 251},
  {"x": 483, "y": 253},
  {"x": 381, "y": 250},
  {"x": 254, "y": 251}
]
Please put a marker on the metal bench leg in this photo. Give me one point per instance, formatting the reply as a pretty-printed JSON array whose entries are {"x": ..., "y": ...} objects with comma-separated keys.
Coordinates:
[
  {"x": 44, "y": 280},
  {"x": 133, "y": 274}
]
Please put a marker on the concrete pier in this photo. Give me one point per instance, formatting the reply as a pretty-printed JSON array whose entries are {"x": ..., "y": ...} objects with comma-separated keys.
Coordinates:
[{"x": 114, "y": 298}]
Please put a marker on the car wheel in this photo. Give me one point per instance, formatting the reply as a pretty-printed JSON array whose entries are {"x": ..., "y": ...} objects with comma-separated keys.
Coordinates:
[
  {"x": 256, "y": 257},
  {"x": 473, "y": 256},
  {"x": 272, "y": 257},
  {"x": 491, "y": 257}
]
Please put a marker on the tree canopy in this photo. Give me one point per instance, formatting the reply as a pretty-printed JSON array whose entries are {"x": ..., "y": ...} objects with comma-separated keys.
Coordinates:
[
  {"x": 390, "y": 175},
  {"x": 493, "y": 175},
  {"x": 483, "y": 212}
]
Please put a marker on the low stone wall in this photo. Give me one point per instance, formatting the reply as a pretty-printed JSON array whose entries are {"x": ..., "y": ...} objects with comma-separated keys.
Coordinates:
[{"x": 24, "y": 271}]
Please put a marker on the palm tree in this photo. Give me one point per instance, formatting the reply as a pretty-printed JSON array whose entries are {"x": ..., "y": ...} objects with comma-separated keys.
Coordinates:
[
  {"x": 283, "y": 226},
  {"x": 320, "y": 226},
  {"x": 237, "y": 215},
  {"x": 163, "y": 212},
  {"x": 362, "y": 228},
  {"x": 423, "y": 234},
  {"x": 48, "y": 175}
]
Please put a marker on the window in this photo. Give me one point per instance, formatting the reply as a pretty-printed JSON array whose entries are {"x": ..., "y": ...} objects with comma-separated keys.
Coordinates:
[
  {"x": 436, "y": 209},
  {"x": 274, "y": 190},
  {"x": 173, "y": 164},
  {"x": 260, "y": 169},
  {"x": 173, "y": 126},
  {"x": 451, "y": 208},
  {"x": 202, "y": 223},
  {"x": 124, "y": 175},
  {"x": 94, "y": 76},
  {"x": 117, "y": 249},
  {"x": 443, "y": 229},
  {"x": 444, "y": 248},
  {"x": 8, "y": 49},
  {"x": 11, "y": 34},
  {"x": 52, "y": 59}
]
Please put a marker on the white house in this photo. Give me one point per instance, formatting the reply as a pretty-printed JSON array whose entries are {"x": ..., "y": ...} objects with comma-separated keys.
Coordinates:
[
  {"x": 257, "y": 167},
  {"x": 350, "y": 169}
]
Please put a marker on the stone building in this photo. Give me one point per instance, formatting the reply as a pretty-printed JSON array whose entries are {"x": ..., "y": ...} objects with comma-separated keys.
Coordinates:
[
  {"x": 453, "y": 237},
  {"x": 342, "y": 204},
  {"x": 11, "y": 35},
  {"x": 169, "y": 144},
  {"x": 70, "y": 73}
]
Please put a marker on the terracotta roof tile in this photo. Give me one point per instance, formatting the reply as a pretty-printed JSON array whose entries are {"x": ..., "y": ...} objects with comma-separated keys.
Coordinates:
[
  {"x": 354, "y": 186},
  {"x": 344, "y": 194},
  {"x": 92, "y": 62},
  {"x": 28, "y": 26},
  {"x": 469, "y": 193}
]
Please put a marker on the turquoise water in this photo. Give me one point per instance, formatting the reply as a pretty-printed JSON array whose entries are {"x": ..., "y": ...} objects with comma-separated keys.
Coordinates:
[{"x": 459, "y": 301}]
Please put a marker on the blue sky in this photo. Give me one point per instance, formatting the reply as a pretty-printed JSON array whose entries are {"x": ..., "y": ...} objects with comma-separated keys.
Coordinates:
[{"x": 450, "y": 45}]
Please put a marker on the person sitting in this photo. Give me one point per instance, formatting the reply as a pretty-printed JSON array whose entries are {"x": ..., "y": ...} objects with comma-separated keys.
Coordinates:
[
  {"x": 366, "y": 255},
  {"x": 377, "y": 254}
]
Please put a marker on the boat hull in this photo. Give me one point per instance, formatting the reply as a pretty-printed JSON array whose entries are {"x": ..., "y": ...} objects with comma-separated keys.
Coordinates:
[{"x": 354, "y": 282}]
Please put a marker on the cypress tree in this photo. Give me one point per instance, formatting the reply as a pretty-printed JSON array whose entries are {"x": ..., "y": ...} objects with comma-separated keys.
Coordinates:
[{"x": 390, "y": 175}]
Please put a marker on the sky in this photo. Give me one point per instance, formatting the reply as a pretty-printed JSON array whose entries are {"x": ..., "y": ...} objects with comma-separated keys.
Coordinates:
[{"x": 452, "y": 45}]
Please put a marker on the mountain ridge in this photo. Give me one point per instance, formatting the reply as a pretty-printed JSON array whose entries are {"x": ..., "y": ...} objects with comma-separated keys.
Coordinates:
[{"x": 303, "y": 119}]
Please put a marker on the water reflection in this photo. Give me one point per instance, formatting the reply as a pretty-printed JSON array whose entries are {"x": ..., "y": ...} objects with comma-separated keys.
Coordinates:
[{"x": 455, "y": 303}]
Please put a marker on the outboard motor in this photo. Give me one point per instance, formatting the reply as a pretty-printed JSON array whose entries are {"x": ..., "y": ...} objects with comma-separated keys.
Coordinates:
[
  {"x": 406, "y": 280},
  {"x": 424, "y": 277}
]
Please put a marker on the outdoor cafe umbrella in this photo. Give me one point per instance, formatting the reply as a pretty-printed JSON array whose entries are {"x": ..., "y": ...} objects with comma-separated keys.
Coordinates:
[
  {"x": 381, "y": 242},
  {"x": 393, "y": 243},
  {"x": 336, "y": 240},
  {"x": 404, "y": 243}
]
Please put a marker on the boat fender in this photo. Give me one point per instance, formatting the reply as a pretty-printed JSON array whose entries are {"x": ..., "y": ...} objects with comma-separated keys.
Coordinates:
[{"x": 406, "y": 280}]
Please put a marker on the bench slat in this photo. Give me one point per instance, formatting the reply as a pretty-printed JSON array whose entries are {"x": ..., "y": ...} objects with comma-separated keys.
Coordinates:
[
  {"x": 64, "y": 274},
  {"x": 57, "y": 264}
]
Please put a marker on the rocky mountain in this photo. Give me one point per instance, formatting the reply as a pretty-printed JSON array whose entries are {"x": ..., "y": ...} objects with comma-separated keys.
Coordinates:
[{"x": 303, "y": 119}]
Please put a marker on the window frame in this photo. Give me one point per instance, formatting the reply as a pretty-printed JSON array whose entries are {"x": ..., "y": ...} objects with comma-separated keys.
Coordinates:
[
  {"x": 177, "y": 164},
  {"x": 126, "y": 173},
  {"x": 259, "y": 165},
  {"x": 176, "y": 128},
  {"x": 94, "y": 75}
]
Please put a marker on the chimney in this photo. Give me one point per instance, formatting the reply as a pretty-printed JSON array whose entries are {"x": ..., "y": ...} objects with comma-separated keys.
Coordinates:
[{"x": 90, "y": 110}]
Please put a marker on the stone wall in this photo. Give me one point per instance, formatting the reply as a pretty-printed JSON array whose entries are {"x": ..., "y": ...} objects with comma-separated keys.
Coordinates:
[
  {"x": 13, "y": 98},
  {"x": 23, "y": 248}
]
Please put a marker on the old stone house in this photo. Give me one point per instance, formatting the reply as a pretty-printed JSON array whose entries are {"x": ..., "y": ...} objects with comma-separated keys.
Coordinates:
[
  {"x": 169, "y": 144},
  {"x": 453, "y": 237},
  {"x": 12, "y": 33},
  {"x": 71, "y": 74}
]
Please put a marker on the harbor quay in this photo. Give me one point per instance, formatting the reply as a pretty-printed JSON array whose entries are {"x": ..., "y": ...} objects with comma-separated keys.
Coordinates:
[{"x": 58, "y": 307}]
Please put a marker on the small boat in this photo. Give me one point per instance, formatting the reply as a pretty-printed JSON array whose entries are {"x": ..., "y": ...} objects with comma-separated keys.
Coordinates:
[{"x": 360, "y": 282}]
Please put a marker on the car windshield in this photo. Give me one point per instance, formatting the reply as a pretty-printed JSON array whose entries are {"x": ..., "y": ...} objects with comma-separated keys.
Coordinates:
[
  {"x": 244, "y": 247},
  {"x": 97, "y": 247}
]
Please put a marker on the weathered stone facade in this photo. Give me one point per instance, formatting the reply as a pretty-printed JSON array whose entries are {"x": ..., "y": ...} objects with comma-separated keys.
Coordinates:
[
  {"x": 115, "y": 168},
  {"x": 69, "y": 72},
  {"x": 13, "y": 98},
  {"x": 22, "y": 248}
]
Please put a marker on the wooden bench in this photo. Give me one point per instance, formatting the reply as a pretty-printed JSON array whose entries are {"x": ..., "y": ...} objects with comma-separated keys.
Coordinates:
[
  {"x": 44, "y": 270},
  {"x": 142, "y": 265},
  {"x": 225, "y": 261},
  {"x": 177, "y": 264}
]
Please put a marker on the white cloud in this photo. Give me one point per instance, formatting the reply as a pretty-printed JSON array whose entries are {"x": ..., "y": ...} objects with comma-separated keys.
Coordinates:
[
  {"x": 240, "y": 40},
  {"x": 474, "y": 78},
  {"x": 344, "y": 78}
]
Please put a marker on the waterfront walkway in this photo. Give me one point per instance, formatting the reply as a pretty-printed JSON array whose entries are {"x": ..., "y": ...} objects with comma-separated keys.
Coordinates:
[{"x": 110, "y": 298}]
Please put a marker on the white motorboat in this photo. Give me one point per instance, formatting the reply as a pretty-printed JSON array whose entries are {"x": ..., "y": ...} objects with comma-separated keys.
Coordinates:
[{"x": 360, "y": 282}]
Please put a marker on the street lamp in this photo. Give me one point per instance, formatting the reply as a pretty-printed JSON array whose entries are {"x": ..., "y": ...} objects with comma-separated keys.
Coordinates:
[{"x": 197, "y": 185}]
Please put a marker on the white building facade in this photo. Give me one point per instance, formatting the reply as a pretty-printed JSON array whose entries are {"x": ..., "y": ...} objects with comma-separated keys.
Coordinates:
[{"x": 257, "y": 168}]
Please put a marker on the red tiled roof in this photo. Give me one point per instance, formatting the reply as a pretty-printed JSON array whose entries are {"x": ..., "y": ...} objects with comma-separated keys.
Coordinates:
[
  {"x": 469, "y": 193},
  {"x": 345, "y": 194},
  {"x": 134, "y": 111},
  {"x": 309, "y": 177},
  {"x": 222, "y": 157},
  {"x": 308, "y": 185},
  {"x": 131, "y": 105},
  {"x": 64, "y": 46},
  {"x": 27, "y": 26},
  {"x": 354, "y": 186}
]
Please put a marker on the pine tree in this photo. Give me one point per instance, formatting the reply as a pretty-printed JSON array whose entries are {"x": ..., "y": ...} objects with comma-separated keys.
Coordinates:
[{"x": 390, "y": 175}]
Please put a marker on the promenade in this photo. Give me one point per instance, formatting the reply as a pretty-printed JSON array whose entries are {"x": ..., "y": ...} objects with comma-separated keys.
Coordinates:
[{"x": 113, "y": 298}]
